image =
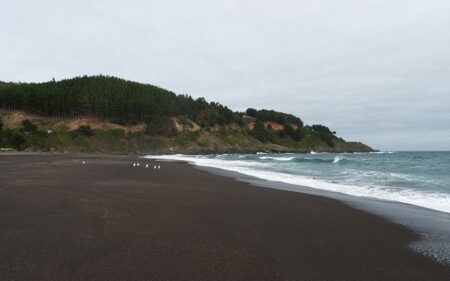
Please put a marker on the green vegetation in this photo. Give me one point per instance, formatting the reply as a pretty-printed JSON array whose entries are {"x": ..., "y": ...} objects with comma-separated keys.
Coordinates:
[
  {"x": 28, "y": 127},
  {"x": 109, "y": 98},
  {"x": 11, "y": 138},
  {"x": 168, "y": 122},
  {"x": 84, "y": 131},
  {"x": 325, "y": 134},
  {"x": 156, "y": 125},
  {"x": 295, "y": 134},
  {"x": 274, "y": 116},
  {"x": 260, "y": 132}
]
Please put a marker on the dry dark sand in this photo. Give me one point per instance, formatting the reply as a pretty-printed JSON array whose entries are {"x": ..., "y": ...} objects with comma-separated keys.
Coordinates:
[{"x": 60, "y": 220}]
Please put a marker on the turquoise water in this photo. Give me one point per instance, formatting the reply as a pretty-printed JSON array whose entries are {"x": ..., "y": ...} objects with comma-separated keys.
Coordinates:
[{"x": 417, "y": 178}]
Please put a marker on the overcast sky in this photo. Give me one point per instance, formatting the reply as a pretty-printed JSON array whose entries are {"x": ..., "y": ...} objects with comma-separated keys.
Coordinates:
[{"x": 374, "y": 71}]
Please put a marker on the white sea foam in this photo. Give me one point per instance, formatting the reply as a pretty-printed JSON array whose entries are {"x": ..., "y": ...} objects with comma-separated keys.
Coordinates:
[
  {"x": 437, "y": 200},
  {"x": 276, "y": 158}
]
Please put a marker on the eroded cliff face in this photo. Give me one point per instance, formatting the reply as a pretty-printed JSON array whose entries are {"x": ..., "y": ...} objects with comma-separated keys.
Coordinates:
[{"x": 65, "y": 135}]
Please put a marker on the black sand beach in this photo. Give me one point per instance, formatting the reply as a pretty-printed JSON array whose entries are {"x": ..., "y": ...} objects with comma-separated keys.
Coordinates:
[{"x": 105, "y": 220}]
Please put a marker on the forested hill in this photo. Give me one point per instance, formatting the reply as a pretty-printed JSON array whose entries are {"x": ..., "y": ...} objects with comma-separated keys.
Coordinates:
[
  {"x": 111, "y": 98},
  {"x": 166, "y": 117}
]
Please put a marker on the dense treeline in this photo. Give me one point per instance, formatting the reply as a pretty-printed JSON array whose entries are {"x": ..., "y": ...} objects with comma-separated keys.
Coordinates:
[
  {"x": 274, "y": 116},
  {"x": 109, "y": 98},
  {"x": 126, "y": 102}
]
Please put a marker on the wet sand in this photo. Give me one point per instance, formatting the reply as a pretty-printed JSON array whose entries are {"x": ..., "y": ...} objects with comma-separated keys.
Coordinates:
[{"x": 105, "y": 220}]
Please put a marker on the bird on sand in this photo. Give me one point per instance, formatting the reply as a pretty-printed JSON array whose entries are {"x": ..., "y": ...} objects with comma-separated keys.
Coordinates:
[
  {"x": 159, "y": 167},
  {"x": 134, "y": 165},
  {"x": 83, "y": 162},
  {"x": 138, "y": 164},
  {"x": 146, "y": 166}
]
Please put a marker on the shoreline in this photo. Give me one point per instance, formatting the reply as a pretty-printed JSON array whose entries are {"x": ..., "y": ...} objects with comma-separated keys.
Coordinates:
[
  {"x": 293, "y": 179},
  {"x": 8, "y": 151},
  {"x": 432, "y": 226},
  {"x": 105, "y": 220}
]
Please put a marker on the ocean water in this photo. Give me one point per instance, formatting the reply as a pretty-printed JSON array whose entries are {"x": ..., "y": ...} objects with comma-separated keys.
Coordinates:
[{"x": 417, "y": 178}]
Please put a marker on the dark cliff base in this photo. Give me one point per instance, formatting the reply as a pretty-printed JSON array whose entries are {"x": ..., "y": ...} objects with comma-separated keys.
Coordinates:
[{"x": 105, "y": 220}]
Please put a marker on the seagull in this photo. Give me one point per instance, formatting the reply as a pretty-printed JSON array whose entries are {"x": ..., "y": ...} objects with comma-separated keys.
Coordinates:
[
  {"x": 154, "y": 167},
  {"x": 134, "y": 165},
  {"x": 83, "y": 162},
  {"x": 159, "y": 167},
  {"x": 146, "y": 166},
  {"x": 138, "y": 164}
]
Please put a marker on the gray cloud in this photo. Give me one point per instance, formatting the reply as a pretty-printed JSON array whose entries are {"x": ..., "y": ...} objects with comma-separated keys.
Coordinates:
[{"x": 375, "y": 71}]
